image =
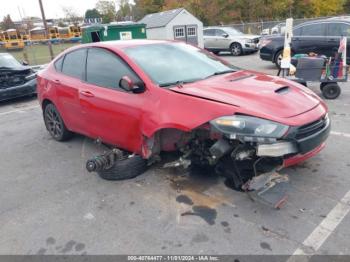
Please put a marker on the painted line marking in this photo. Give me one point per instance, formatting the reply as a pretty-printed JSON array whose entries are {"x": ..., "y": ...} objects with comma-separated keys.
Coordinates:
[
  {"x": 327, "y": 226},
  {"x": 22, "y": 110},
  {"x": 340, "y": 134}
]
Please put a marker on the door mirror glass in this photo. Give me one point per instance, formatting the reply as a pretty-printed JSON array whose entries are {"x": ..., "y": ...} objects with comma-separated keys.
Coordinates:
[
  {"x": 128, "y": 85},
  {"x": 25, "y": 63}
]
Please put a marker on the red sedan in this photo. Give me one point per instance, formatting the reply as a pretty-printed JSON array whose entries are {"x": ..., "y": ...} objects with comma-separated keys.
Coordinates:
[{"x": 145, "y": 97}]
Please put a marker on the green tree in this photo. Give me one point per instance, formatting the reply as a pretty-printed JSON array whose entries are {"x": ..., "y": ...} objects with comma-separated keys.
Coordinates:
[
  {"x": 7, "y": 23},
  {"x": 92, "y": 13},
  {"x": 107, "y": 10},
  {"x": 125, "y": 10}
]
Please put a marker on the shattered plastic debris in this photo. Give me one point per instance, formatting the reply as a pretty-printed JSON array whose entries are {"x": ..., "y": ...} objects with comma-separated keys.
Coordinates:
[{"x": 269, "y": 188}]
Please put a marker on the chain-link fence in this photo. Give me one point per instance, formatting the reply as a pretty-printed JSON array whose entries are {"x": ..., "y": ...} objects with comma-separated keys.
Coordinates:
[
  {"x": 36, "y": 52},
  {"x": 267, "y": 27}
]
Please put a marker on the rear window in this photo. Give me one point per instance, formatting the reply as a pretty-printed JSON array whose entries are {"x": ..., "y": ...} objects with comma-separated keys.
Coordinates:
[
  {"x": 209, "y": 32},
  {"x": 74, "y": 63}
]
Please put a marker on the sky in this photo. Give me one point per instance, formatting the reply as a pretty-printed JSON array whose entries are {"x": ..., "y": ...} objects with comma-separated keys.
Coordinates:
[{"x": 53, "y": 8}]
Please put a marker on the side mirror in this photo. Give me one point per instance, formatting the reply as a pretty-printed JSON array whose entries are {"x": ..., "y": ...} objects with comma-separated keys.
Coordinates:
[
  {"x": 128, "y": 85},
  {"x": 225, "y": 35},
  {"x": 24, "y": 62}
]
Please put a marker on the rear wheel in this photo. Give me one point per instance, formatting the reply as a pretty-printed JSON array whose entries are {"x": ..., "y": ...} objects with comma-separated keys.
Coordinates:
[
  {"x": 236, "y": 49},
  {"x": 330, "y": 90},
  {"x": 54, "y": 123}
]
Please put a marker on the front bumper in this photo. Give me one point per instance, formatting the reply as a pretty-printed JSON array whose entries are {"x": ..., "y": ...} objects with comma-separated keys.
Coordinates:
[
  {"x": 250, "y": 47},
  {"x": 18, "y": 91},
  {"x": 301, "y": 142}
]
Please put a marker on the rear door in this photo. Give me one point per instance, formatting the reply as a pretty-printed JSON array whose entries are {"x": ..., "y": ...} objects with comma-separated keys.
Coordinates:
[
  {"x": 111, "y": 113},
  {"x": 312, "y": 38},
  {"x": 335, "y": 31},
  {"x": 209, "y": 36},
  {"x": 67, "y": 82}
]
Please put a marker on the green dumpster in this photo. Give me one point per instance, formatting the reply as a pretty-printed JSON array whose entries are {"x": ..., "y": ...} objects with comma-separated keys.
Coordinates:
[{"x": 108, "y": 32}]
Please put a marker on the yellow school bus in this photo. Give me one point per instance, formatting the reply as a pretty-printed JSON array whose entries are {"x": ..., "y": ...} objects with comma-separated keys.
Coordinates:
[
  {"x": 64, "y": 32},
  {"x": 74, "y": 31},
  {"x": 24, "y": 35},
  {"x": 37, "y": 34},
  {"x": 13, "y": 39},
  {"x": 53, "y": 32}
]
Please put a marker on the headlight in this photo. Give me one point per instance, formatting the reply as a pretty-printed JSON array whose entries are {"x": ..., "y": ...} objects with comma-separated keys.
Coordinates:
[
  {"x": 249, "y": 41},
  {"x": 249, "y": 126}
]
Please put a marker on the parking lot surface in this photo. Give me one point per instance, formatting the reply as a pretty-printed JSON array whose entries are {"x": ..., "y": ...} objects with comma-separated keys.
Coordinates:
[{"x": 50, "y": 204}]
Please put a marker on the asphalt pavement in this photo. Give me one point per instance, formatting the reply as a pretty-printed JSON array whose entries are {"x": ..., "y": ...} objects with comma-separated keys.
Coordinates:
[{"x": 50, "y": 204}]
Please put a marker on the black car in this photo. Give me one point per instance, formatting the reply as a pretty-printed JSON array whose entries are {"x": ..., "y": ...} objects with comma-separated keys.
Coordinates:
[
  {"x": 16, "y": 80},
  {"x": 320, "y": 36}
]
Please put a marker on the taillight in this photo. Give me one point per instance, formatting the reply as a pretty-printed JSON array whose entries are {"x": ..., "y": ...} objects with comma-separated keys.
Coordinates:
[{"x": 264, "y": 42}]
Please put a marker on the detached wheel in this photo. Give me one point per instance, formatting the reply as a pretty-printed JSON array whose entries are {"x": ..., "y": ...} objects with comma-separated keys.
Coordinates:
[
  {"x": 330, "y": 90},
  {"x": 54, "y": 124},
  {"x": 130, "y": 167},
  {"x": 236, "y": 49}
]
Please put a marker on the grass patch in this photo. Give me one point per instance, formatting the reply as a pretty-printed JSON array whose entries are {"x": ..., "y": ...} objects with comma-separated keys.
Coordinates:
[{"x": 38, "y": 54}]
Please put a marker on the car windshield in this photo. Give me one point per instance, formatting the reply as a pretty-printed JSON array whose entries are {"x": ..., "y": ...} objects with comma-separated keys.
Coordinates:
[
  {"x": 7, "y": 60},
  {"x": 232, "y": 31},
  {"x": 175, "y": 63}
]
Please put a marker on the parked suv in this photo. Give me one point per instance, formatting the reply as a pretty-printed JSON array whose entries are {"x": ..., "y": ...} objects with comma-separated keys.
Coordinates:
[
  {"x": 321, "y": 37},
  {"x": 218, "y": 39}
]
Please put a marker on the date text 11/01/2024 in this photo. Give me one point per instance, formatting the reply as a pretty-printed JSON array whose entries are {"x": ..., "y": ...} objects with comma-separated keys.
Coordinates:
[{"x": 173, "y": 258}]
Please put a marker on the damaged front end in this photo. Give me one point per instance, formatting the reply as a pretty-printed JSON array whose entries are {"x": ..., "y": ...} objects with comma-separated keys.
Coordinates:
[
  {"x": 17, "y": 82},
  {"x": 248, "y": 151}
]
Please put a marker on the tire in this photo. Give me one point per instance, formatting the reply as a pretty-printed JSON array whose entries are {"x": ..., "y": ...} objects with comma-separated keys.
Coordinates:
[
  {"x": 236, "y": 49},
  {"x": 125, "y": 169},
  {"x": 331, "y": 90},
  {"x": 278, "y": 58},
  {"x": 54, "y": 123}
]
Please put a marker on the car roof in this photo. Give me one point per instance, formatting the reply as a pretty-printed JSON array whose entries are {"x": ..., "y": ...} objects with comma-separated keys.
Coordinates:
[
  {"x": 327, "y": 20},
  {"x": 118, "y": 44}
]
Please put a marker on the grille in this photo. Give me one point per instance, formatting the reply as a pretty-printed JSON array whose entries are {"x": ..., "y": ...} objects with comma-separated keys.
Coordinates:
[
  {"x": 311, "y": 128},
  {"x": 256, "y": 40}
]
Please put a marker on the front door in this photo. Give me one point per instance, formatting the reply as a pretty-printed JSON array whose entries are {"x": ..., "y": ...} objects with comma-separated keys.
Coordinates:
[{"x": 111, "y": 113}]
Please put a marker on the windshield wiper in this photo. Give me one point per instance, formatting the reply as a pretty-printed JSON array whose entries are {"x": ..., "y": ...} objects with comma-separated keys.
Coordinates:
[
  {"x": 176, "y": 83},
  {"x": 222, "y": 72}
]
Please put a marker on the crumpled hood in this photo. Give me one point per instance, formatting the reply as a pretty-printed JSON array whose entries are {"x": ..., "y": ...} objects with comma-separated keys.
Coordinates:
[{"x": 254, "y": 92}]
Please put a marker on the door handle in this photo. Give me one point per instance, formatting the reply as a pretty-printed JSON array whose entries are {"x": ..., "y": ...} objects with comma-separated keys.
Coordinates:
[
  {"x": 87, "y": 93},
  {"x": 332, "y": 39},
  {"x": 56, "y": 81}
]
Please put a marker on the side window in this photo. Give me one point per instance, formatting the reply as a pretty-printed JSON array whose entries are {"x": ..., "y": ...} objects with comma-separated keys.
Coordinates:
[
  {"x": 220, "y": 32},
  {"x": 74, "y": 63},
  {"x": 297, "y": 32},
  {"x": 58, "y": 64},
  {"x": 105, "y": 69},
  {"x": 314, "y": 30},
  {"x": 338, "y": 29},
  {"x": 209, "y": 32}
]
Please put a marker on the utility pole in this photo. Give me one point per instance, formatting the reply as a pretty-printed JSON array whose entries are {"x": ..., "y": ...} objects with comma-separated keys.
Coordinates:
[{"x": 46, "y": 29}]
